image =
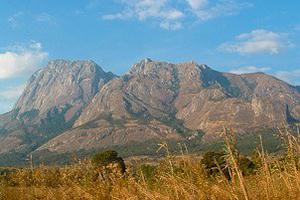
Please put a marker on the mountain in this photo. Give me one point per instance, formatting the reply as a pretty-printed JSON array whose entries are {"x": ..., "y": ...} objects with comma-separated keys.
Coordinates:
[
  {"x": 159, "y": 100},
  {"x": 51, "y": 102},
  {"x": 75, "y": 106}
]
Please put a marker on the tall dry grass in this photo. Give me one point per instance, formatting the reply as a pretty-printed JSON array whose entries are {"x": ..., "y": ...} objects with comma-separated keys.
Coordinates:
[{"x": 175, "y": 177}]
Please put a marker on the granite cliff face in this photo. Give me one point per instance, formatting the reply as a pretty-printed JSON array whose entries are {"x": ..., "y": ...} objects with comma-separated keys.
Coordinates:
[
  {"x": 51, "y": 102},
  {"x": 153, "y": 101},
  {"x": 179, "y": 101},
  {"x": 63, "y": 86}
]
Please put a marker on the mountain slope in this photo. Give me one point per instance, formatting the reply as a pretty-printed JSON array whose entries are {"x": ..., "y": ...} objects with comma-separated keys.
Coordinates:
[
  {"x": 159, "y": 100},
  {"x": 51, "y": 102}
]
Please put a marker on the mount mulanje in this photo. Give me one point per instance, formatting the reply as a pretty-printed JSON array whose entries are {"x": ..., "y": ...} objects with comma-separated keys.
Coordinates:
[
  {"x": 51, "y": 102},
  {"x": 70, "y": 106}
]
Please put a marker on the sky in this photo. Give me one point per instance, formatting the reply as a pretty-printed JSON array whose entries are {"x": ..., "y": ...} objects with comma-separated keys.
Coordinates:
[{"x": 238, "y": 36}]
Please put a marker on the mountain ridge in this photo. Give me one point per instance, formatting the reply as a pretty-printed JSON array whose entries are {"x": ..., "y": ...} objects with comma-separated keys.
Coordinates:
[
  {"x": 152, "y": 101},
  {"x": 51, "y": 102}
]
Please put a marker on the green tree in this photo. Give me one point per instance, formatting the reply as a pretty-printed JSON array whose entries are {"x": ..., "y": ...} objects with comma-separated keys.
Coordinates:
[
  {"x": 104, "y": 159},
  {"x": 213, "y": 162}
]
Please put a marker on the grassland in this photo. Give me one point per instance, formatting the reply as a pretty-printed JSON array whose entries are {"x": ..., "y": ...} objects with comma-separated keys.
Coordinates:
[{"x": 173, "y": 177}]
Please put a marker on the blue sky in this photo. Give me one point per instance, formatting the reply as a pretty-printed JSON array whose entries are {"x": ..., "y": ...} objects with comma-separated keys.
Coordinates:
[{"x": 237, "y": 36}]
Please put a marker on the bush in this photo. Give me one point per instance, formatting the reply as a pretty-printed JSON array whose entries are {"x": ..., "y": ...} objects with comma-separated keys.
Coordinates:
[
  {"x": 212, "y": 161},
  {"x": 246, "y": 165},
  {"x": 106, "y": 158}
]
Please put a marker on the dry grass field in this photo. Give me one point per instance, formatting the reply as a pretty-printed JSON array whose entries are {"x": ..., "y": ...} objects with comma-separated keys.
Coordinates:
[{"x": 181, "y": 177}]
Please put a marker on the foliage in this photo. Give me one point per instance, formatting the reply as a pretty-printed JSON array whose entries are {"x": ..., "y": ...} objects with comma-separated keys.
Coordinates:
[
  {"x": 108, "y": 157},
  {"x": 173, "y": 177},
  {"x": 214, "y": 162},
  {"x": 247, "y": 166}
]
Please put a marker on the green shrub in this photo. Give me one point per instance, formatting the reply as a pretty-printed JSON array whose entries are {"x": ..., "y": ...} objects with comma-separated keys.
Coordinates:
[
  {"x": 106, "y": 158},
  {"x": 213, "y": 162},
  {"x": 246, "y": 166}
]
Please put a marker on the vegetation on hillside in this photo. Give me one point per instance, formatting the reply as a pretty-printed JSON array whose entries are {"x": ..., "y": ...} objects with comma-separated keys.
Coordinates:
[{"x": 226, "y": 174}]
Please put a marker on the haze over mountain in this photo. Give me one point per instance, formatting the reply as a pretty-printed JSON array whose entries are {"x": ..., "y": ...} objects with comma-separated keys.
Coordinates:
[{"x": 70, "y": 106}]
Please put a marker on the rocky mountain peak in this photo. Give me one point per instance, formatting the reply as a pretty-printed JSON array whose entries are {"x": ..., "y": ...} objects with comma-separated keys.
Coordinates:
[
  {"x": 197, "y": 65},
  {"x": 148, "y": 66},
  {"x": 62, "y": 83},
  {"x": 60, "y": 65},
  {"x": 73, "y": 105}
]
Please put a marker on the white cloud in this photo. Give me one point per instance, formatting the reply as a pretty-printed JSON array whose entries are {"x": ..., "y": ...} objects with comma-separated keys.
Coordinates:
[
  {"x": 123, "y": 15},
  {"x": 11, "y": 93},
  {"x": 297, "y": 27},
  {"x": 18, "y": 19},
  {"x": 145, "y": 9},
  {"x": 206, "y": 9},
  {"x": 197, "y": 4},
  {"x": 170, "y": 25},
  {"x": 170, "y": 15},
  {"x": 44, "y": 17},
  {"x": 5, "y": 106},
  {"x": 257, "y": 41},
  {"x": 249, "y": 69},
  {"x": 92, "y": 4},
  {"x": 14, "y": 19},
  {"x": 292, "y": 76},
  {"x": 18, "y": 60},
  {"x": 8, "y": 96}
]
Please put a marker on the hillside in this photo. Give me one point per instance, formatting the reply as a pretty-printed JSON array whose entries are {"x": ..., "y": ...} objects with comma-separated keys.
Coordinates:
[
  {"x": 72, "y": 106},
  {"x": 50, "y": 104}
]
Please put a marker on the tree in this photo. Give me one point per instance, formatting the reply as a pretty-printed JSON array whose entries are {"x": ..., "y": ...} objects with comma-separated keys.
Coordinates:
[
  {"x": 107, "y": 159},
  {"x": 213, "y": 162}
]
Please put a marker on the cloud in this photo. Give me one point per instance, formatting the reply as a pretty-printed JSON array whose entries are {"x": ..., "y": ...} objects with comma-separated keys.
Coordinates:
[
  {"x": 292, "y": 76},
  {"x": 257, "y": 41},
  {"x": 197, "y": 4},
  {"x": 169, "y": 15},
  {"x": 5, "y": 106},
  {"x": 170, "y": 25},
  {"x": 14, "y": 19},
  {"x": 44, "y": 17},
  {"x": 206, "y": 9},
  {"x": 249, "y": 69},
  {"x": 143, "y": 10},
  {"x": 92, "y": 4},
  {"x": 297, "y": 27},
  {"x": 19, "y": 19},
  {"x": 8, "y": 96},
  {"x": 11, "y": 93},
  {"x": 18, "y": 60}
]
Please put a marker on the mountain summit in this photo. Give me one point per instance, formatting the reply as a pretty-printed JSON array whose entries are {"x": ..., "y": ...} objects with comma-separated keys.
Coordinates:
[
  {"x": 62, "y": 84},
  {"x": 71, "y": 106},
  {"x": 51, "y": 102}
]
